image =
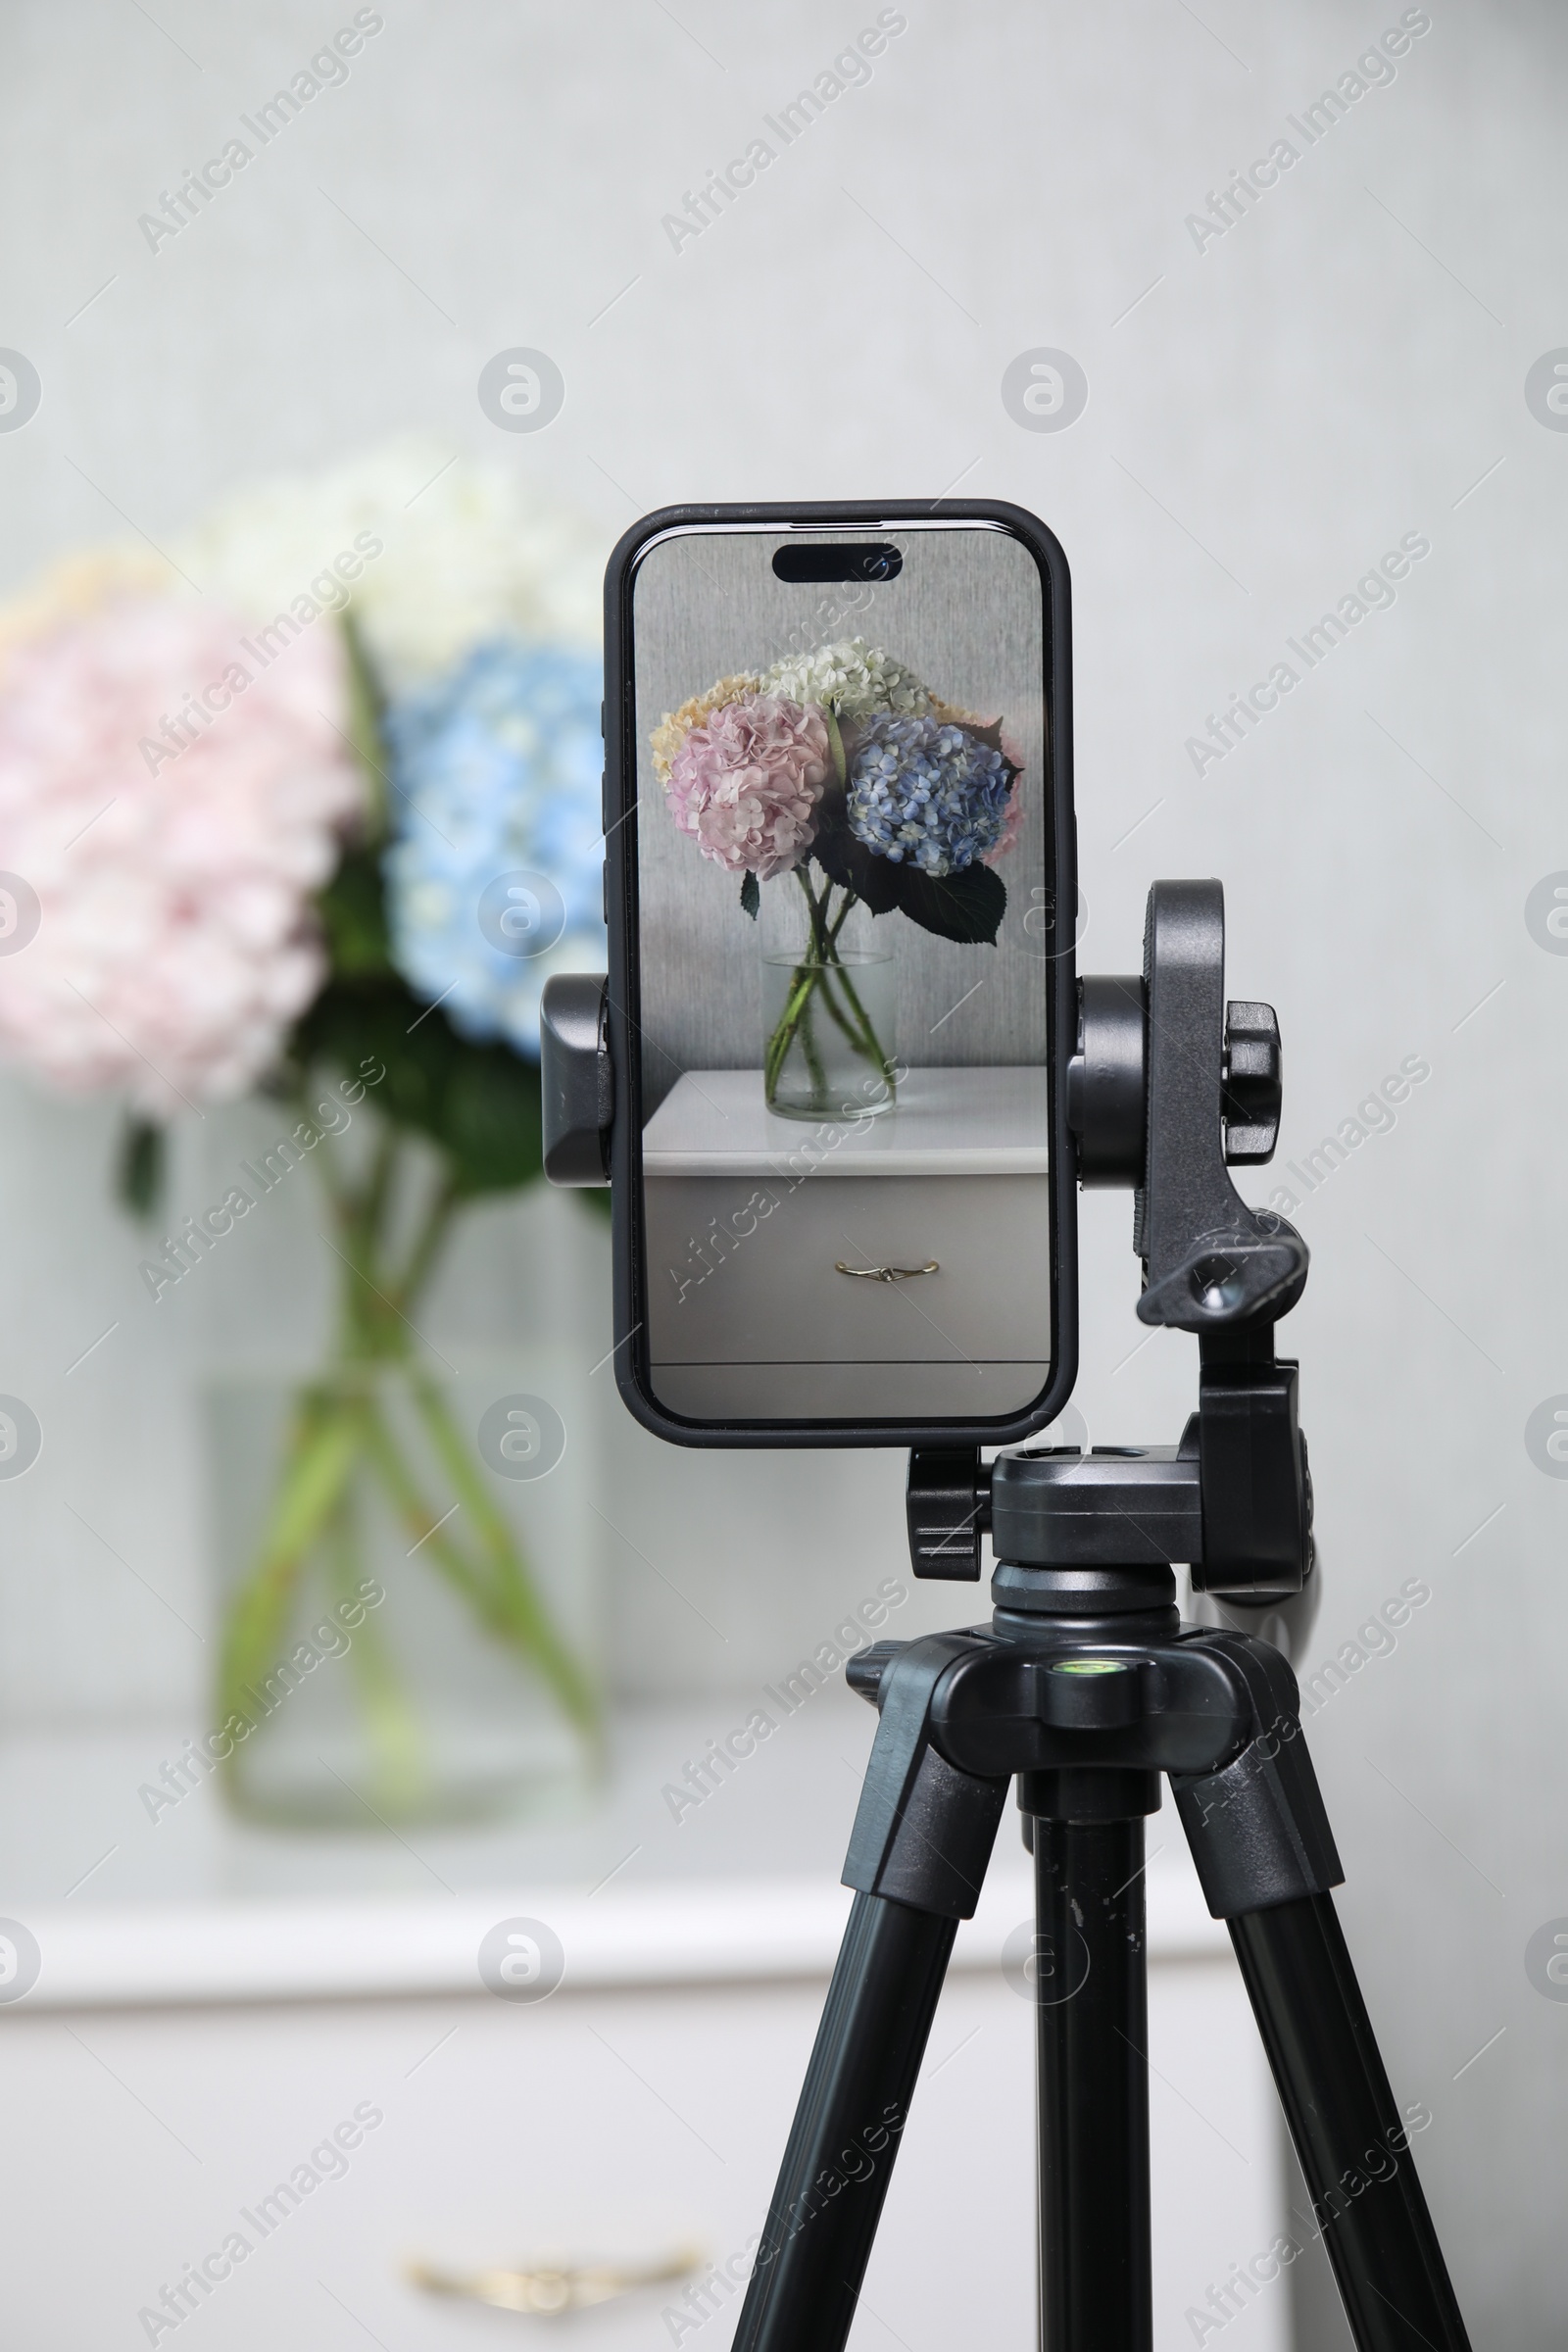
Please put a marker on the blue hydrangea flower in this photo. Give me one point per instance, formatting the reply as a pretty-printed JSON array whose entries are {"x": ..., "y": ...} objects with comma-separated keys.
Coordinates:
[
  {"x": 924, "y": 793},
  {"x": 495, "y": 770}
]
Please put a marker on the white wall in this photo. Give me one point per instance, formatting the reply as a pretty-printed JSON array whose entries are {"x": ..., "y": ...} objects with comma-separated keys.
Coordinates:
[{"x": 1340, "y": 367}]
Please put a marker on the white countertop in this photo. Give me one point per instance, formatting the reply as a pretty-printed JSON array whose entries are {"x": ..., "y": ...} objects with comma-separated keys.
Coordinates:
[
  {"x": 196, "y": 1907},
  {"x": 983, "y": 1122}
]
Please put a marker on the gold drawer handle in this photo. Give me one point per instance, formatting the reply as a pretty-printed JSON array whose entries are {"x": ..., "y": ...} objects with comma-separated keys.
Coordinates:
[
  {"x": 549, "y": 2290},
  {"x": 887, "y": 1273}
]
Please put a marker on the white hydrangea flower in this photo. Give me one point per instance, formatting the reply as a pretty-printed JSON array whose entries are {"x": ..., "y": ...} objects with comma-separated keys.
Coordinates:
[
  {"x": 462, "y": 552},
  {"x": 852, "y": 678}
]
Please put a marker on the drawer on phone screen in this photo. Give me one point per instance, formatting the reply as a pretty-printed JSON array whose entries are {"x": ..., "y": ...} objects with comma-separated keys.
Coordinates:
[{"x": 919, "y": 1237}]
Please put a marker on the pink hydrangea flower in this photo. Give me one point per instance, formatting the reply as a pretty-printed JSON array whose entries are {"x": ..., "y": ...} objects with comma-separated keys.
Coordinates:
[
  {"x": 746, "y": 784},
  {"x": 1013, "y": 814},
  {"x": 173, "y": 803}
]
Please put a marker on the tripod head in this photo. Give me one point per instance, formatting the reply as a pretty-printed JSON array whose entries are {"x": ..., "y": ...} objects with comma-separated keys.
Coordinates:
[{"x": 1169, "y": 1086}]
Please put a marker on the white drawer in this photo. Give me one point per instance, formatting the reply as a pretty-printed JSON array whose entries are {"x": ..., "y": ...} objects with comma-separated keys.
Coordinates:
[
  {"x": 741, "y": 1269},
  {"x": 597, "y": 2124},
  {"x": 187, "y": 2050},
  {"x": 751, "y": 1224}
]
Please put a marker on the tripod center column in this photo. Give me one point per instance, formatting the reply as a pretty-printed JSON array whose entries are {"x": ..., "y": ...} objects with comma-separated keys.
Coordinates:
[{"x": 1092, "y": 2017}]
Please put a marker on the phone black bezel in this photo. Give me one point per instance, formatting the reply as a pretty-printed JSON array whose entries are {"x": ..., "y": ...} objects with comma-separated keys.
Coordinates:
[{"x": 630, "y": 1273}]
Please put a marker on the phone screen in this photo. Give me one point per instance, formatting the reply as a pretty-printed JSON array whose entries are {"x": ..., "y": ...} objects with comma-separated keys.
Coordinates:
[{"x": 844, "y": 919}]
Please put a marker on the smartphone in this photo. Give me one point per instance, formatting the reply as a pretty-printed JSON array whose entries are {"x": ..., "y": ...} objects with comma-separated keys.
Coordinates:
[{"x": 841, "y": 899}]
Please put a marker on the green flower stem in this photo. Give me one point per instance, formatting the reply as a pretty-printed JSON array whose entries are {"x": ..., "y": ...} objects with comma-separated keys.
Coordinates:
[
  {"x": 817, "y": 915},
  {"x": 368, "y": 1324},
  {"x": 511, "y": 1605},
  {"x": 377, "y": 1187},
  {"x": 828, "y": 966},
  {"x": 824, "y": 973},
  {"x": 425, "y": 1525},
  {"x": 325, "y": 1444},
  {"x": 504, "y": 1601},
  {"x": 836, "y": 1013},
  {"x": 428, "y": 1245},
  {"x": 807, "y": 980},
  {"x": 525, "y": 1611},
  {"x": 872, "y": 1040},
  {"x": 871, "y": 1043},
  {"x": 802, "y": 982},
  {"x": 811, "y": 1049},
  {"x": 401, "y": 1771},
  {"x": 341, "y": 1429}
]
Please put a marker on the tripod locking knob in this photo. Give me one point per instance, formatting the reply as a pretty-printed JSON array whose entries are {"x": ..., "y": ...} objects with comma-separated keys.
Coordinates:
[
  {"x": 947, "y": 1505},
  {"x": 577, "y": 1082},
  {"x": 866, "y": 1667},
  {"x": 1252, "y": 1086},
  {"x": 1107, "y": 1078}
]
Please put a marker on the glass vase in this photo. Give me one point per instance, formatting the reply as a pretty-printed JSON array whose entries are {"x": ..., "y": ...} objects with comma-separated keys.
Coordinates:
[
  {"x": 395, "y": 1530},
  {"x": 829, "y": 1033}
]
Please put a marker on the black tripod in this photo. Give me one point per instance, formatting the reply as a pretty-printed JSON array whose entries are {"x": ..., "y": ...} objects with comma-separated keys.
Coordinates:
[{"x": 1086, "y": 1686}]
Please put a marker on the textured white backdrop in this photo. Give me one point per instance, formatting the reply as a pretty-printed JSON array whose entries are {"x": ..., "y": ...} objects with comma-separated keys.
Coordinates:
[{"x": 1265, "y": 417}]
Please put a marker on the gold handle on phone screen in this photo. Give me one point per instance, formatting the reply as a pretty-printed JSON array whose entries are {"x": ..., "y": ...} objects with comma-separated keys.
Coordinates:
[{"x": 887, "y": 1273}]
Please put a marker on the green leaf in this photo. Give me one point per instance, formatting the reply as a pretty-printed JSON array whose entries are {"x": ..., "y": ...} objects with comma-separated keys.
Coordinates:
[
  {"x": 352, "y": 912},
  {"x": 491, "y": 1118},
  {"x": 478, "y": 1103},
  {"x": 967, "y": 906},
  {"x": 751, "y": 897},
  {"x": 853, "y": 867},
  {"x": 140, "y": 1168},
  {"x": 366, "y": 728}
]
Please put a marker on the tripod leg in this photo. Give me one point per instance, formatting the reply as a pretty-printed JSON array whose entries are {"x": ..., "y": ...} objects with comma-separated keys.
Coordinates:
[
  {"x": 852, "y": 2106},
  {"x": 1352, "y": 2142},
  {"x": 1264, "y": 1851},
  {"x": 921, "y": 1840}
]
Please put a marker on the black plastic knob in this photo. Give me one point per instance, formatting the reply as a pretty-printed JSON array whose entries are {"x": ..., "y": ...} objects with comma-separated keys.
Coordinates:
[
  {"x": 1108, "y": 1079},
  {"x": 1252, "y": 1087},
  {"x": 577, "y": 1085}
]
